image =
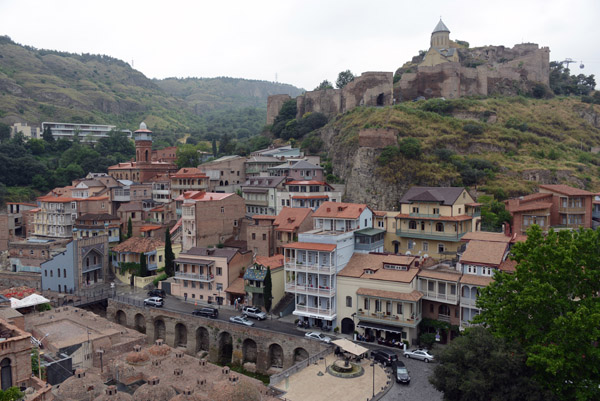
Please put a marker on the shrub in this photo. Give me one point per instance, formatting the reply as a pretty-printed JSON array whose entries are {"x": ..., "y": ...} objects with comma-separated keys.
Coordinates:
[
  {"x": 444, "y": 154},
  {"x": 410, "y": 148},
  {"x": 159, "y": 278},
  {"x": 388, "y": 154},
  {"x": 517, "y": 124},
  {"x": 473, "y": 129},
  {"x": 427, "y": 340}
]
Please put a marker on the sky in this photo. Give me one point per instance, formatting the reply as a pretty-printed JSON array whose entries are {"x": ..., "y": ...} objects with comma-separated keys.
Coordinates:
[{"x": 296, "y": 42}]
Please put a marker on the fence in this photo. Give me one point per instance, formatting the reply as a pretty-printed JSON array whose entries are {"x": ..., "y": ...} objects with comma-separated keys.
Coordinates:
[{"x": 274, "y": 379}]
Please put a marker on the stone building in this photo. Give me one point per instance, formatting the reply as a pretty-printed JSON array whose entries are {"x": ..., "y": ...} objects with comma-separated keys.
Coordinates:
[
  {"x": 28, "y": 255},
  {"x": 225, "y": 173}
]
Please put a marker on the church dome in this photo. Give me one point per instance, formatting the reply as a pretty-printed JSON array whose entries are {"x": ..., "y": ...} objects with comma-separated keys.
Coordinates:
[
  {"x": 440, "y": 27},
  {"x": 143, "y": 124}
]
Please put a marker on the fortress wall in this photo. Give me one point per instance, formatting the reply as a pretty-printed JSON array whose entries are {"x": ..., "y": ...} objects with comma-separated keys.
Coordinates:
[{"x": 274, "y": 104}]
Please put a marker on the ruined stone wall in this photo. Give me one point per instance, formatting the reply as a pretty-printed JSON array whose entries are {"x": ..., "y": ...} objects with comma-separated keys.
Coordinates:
[
  {"x": 326, "y": 101},
  {"x": 274, "y": 103},
  {"x": 377, "y": 138}
]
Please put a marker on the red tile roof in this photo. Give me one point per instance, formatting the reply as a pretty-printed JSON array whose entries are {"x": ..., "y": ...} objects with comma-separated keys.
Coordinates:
[
  {"x": 145, "y": 229},
  {"x": 263, "y": 217},
  {"x": 484, "y": 252},
  {"x": 138, "y": 245},
  {"x": 311, "y": 246},
  {"x": 310, "y": 197},
  {"x": 529, "y": 207},
  {"x": 340, "y": 210},
  {"x": 290, "y": 218},
  {"x": 447, "y": 275},
  {"x": 508, "y": 265},
  {"x": 273, "y": 262},
  {"x": 486, "y": 236},
  {"x": 379, "y": 213},
  {"x": 413, "y": 296},
  {"x": 567, "y": 190},
  {"x": 201, "y": 196},
  {"x": 189, "y": 172},
  {"x": 462, "y": 217},
  {"x": 236, "y": 287},
  {"x": 482, "y": 281}
]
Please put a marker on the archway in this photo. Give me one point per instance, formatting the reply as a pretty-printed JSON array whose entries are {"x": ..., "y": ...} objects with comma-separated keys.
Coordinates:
[
  {"x": 202, "y": 339},
  {"x": 180, "y": 335},
  {"x": 160, "y": 330},
  {"x": 140, "y": 323},
  {"x": 275, "y": 356},
  {"x": 225, "y": 348},
  {"x": 121, "y": 318},
  {"x": 6, "y": 373},
  {"x": 300, "y": 354},
  {"x": 380, "y": 99},
  {"x": 249, "y": 351},
  {"x": 347, "y": 326}
]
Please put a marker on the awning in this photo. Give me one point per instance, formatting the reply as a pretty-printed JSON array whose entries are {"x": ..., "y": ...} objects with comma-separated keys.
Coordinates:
[
  {"x": 350, "y": 347},
  {"x": 377, "y": 326},
  {"x": 32, "y": 300}
]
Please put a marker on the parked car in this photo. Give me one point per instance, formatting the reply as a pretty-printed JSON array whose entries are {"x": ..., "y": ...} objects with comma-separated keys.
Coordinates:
[
  {"x": 241, "y": 320},
  {"x": 421, "y": 354},
  {"x": 384, "y": 356},
  {"x": 154, "y": 301},
  {"x": 255, "y": 313},
  {"x": 156, "y": 292},
  {"x": 400, "y": 372},
  {"x": 318, "y": 336},
  {"x": 206, "y": 312}
]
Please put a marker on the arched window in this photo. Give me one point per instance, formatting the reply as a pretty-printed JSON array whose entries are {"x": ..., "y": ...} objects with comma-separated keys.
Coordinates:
[
  {"x": 146, "y": 156},
  {"x": 412, "y": 225},
  {"x": 439, "y": 227},
  {"x": 87, "y": 262},
  {"x": 6, "y": 373},
  {"x": 465, "y": 292},
  {"x": 349, "y": 301},
  {"x": 95, "y": 260}
]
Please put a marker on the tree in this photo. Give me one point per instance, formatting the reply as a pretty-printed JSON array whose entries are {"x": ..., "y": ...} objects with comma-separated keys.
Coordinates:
[
  {"x": 268, "y": 290},
  {"x": 550, "y": 306},
  {"x": 143, "y": 265},
  {"x": 4, "y": 132},
  {"x": 129, "y": 228},
  {"x": 479, "y": 367},
  {"x": 11, "y": 394},
  {"x": 287, "y": 112},
  {"x": 214, "y": 147},
  {"x": 563, "y": 83},
  {"x": 47, "y": 135},
  {"x": 324, "y": 85},
  {"x": 344, "y": 78},
  {"x": 169, "y": 255},
  {"x": 410, "y": 148},
  {"x": 187, "y": 156},
  {"x": 116, "y": 143}
]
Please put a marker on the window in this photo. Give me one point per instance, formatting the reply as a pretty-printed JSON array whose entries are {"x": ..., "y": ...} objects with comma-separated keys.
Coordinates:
[
  {"x": 193, "y": 284},
  {"x": 264, "y": 237},
  {"x": 411, "y": 244},
  {"x": 487, "y": 271},
  {"x": 412, "y": 225},
  {"x": 471, "y": 269},
  {"x": 439, "y": 227},
  {"x": 253, "y": 235},
  {"x": 46, "y": 273},
  {"x": 415, "y": 210},
  {"x": 31, "y": 251},
  {"x": 377, "y": 305},
  {"x": 436, "y": 210},
  {"x": 425, "y": 246},
  {"x": 222, "y": 209},
  {"x": 58, "y": 273},
  {"x": 160, "y": 258},
  {"x": 219, "y": 287},
  {"x": 235, "y": 223},
  {"x": 441, "y": 248},
  {"x": 430, "y": 286},
  {"x": 349, "y": 302},
  {"x": 219, "y": 271},
  {"x": 51, "y": 273},
  {"x": 452, "y": 289},
  {"x": 367, "y": 306},
  {"x": 399, "y": 308}
]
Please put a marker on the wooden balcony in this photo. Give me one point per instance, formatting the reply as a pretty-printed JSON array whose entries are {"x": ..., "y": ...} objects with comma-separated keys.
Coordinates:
[{"x": 310, "y": 290}]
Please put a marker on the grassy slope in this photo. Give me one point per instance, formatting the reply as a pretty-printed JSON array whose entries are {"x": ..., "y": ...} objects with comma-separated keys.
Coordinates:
[{"x": 554, "y": 127}]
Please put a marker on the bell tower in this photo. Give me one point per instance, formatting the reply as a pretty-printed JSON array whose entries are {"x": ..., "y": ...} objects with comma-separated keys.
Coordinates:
[
  {"x": 440, "y": 37},
  {"x": 143, "y": 145}
]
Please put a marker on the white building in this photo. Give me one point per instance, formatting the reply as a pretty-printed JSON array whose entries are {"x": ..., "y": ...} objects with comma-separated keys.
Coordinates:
[{"x": 85, "y": 132}]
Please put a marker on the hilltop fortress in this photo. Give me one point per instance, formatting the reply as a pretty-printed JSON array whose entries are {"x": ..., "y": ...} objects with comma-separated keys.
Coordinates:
[{"x": 448, "y": 69}]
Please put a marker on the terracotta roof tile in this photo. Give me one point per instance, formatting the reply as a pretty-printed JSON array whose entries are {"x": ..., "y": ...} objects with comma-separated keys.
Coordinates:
[
  {"x": 189, "y": 172},
  {"x": 138, "y": 245},
  {"x": 290, "y": 218},
  {"x": 447, "y": 275},
  {"x": 263, "y": 217},
  {"x": 340, "y": 210},
  {"x": 509, "y": 266},
  {"x": 486, "y": 236},
  {"x": 273, "y": 262},
  {"x": 530, "y": 206},
  {"x": 201, "y": 196},
  {"x": 237, "y": 287},
  {"x": 482, "y": 281},
  {"x": 484, "y": 252},
  {"x": 359, "y": 262},
  {"x": 567, "y": 190},
  {"x": 311, "y": 246},
  {"x": 413, "y": 296},
  {"x": 145, "y": 229}
]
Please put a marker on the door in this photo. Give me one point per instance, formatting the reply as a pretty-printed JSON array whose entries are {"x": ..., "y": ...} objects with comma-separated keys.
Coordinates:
[{"x": 6, "y": 373}]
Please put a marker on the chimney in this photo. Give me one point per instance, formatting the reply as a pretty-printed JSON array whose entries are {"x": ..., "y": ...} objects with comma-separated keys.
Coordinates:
[
  {"x": 187, "y": 391},
  {"x": 233, "y": 378},
  {"x": 153, "y": 381},
  {"x": 201, "y": 382},
  {"x": 178, "y": 372},
  {"x": 111, "y": 390},
  {"x": 225, "y": 370},
  {"x": 202, "y": 362},
  {"x": 156, "y": 362},
  {"x": 158, "y": 342},
  {"x": 80, "y": 373},
  {"x": 178, "y": 354},
  {"x": 137, "y": 348}
]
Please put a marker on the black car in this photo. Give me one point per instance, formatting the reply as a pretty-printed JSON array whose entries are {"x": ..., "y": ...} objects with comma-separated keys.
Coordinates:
[
  {"x": 206, "y": 312},
  {"x": 400, "y": 372},
  {"x": 157, "y": 293},
  {"x": 384, "y": 356}
]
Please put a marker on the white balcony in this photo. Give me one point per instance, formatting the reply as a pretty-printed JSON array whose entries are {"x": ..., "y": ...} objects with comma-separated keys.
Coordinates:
[
  {"x": 310, "y": 311},
  {"x": 291, "y": 265},
  {"x": 434, "y": 296},
  {"x": 204, "y": 278},
  {"x": 310, "y": 290}
]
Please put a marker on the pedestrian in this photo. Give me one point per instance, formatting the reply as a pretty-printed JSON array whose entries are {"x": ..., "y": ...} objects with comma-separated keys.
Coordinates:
[{"x": 185, "y": 297}]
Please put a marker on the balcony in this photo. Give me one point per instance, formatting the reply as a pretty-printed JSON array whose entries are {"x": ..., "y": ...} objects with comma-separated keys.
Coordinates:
[
  {"x": 382, "y": 317},
  {"x": 310, "y": 290},
  {"x": 204, "y": 278},
  {"x": 467, "y": 301},
  {"x": 434, "y": 296},
  {"x": 121, "y": 196},
  {"x": 571, "y": 210},
  {"x": 254, "y": 290},
  {"x": 290, "y": 265},
  {"x": 435, "y": 216},
  {"x": 311, "y": 311},
  {"x": 431, "y": 235},
  {"x": 86, "y": 269}
]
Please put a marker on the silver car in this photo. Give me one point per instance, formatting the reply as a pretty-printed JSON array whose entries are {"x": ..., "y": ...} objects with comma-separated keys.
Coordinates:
[
  {"x": 255, "y": 313},
  {"x": 154, "y": 301},
  {"x": 241, "y": 320},
  {"x": 318, "y": 336},
  {"x": 421, "y": 354}
]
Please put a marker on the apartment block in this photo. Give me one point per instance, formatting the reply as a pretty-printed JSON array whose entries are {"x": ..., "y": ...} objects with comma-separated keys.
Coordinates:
[{"x": 188, "y": 179}]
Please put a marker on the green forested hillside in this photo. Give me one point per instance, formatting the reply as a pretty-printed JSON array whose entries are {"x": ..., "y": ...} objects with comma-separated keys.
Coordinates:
[{"x": 44, "y": 85}]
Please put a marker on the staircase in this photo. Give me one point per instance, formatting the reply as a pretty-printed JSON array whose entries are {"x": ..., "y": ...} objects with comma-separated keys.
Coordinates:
[{"x": 285, "y": 306}]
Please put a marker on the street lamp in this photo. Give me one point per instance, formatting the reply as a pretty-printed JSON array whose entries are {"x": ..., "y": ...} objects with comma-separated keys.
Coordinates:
[{"x": 373, "y": 364}]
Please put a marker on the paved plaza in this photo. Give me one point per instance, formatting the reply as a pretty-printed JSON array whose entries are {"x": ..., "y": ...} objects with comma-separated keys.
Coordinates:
[{"x": 308, "y": 385}]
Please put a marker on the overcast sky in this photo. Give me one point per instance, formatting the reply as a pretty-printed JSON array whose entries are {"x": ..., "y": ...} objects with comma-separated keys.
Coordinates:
[{"x": 300, "y": 42}]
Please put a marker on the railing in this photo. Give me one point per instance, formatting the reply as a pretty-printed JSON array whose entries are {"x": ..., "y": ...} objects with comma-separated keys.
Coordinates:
[
  {"x": 444, "y": 318},
  {"x": 324, "y": 291},
  {"x": 276, "y": 378},
  {"x": 434, "y": 215},
  {"x": 206, "y": 278},
  {"x": 309, "y": 267},
  {"x": 562, "y": 209},
  {"x": 467, "y": 301},
  {"x": 315, "y": 311},
  {"x": 384, "y": 317},
  {"x": 434, "y": 296},
  {"x": 433, "y": 235},
  {"x": 86, "y": 269}
]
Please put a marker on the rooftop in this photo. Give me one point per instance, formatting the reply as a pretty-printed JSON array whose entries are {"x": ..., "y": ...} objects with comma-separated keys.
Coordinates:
[
  {"x": 290, "y": 219},
  {"x": 340, "y": 210},
  {"x": 360, "y": 263},
  {"x": 567, "y": 190},
  {"x": 189, "y": 172},
  {"x": 486, "y": 236},
  {"x": 443, "y": 195},
  {"x": 484, "y": 252},
  {"x": 413, "y": 296},
  {"x": 311, "y": 246},
  {"x": 225, "y": 252},
  {"x": 138, "y": 245}
]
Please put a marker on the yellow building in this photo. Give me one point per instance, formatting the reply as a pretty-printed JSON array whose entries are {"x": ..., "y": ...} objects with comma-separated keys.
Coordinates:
[
  {"x": 378, "y": 297},
  {"x": 254, "y": 278},
  {"x": 432, "y": 221},
  {"x": 441, "y": 49}
]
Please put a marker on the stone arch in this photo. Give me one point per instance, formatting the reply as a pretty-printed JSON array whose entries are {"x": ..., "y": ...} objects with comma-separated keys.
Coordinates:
[
  {"x": 180, "y": 335},
  {"x": 300, "y": 354},
  {"x": 380, "y": 99},
  {"x": 121, "y": 318},
  {"x": 202, "y": 339},
  {"x": 347, "y": 326},
  {"x": 249, "y": 351},
  {"x": 160, "y": 330},
  {"x": 225, "y": 348},
  {"x": 140, "y": 323},
  {"x": 275, "y": 356}
]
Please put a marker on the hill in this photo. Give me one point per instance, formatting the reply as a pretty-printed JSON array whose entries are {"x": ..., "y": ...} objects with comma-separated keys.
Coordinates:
[
  {"x": 500, "y": 146},
  {"x": 46, "y": 85}
]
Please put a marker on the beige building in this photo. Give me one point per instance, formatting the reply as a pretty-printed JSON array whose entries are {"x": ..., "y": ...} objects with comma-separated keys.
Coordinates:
[
  {"x": 432, "y": 221},
  {"x": 203, "y": 274},
  {"x": 378, "y": 297},
  {"x": 225, "y": 171},
  {"x": 188, "y": 179},
  {"x": 254, "y": 280},
  {"x": 441, "y": 49}
]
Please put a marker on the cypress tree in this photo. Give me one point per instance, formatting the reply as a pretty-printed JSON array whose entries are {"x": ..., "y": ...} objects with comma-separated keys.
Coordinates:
[
  {"x": 268, "y": 292},
  {"x": 169, "y": 255},
  {"x": 143, "y": 265},
  {"x": 129, "y": 228},
  {"x": 214, "y": 147}
]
